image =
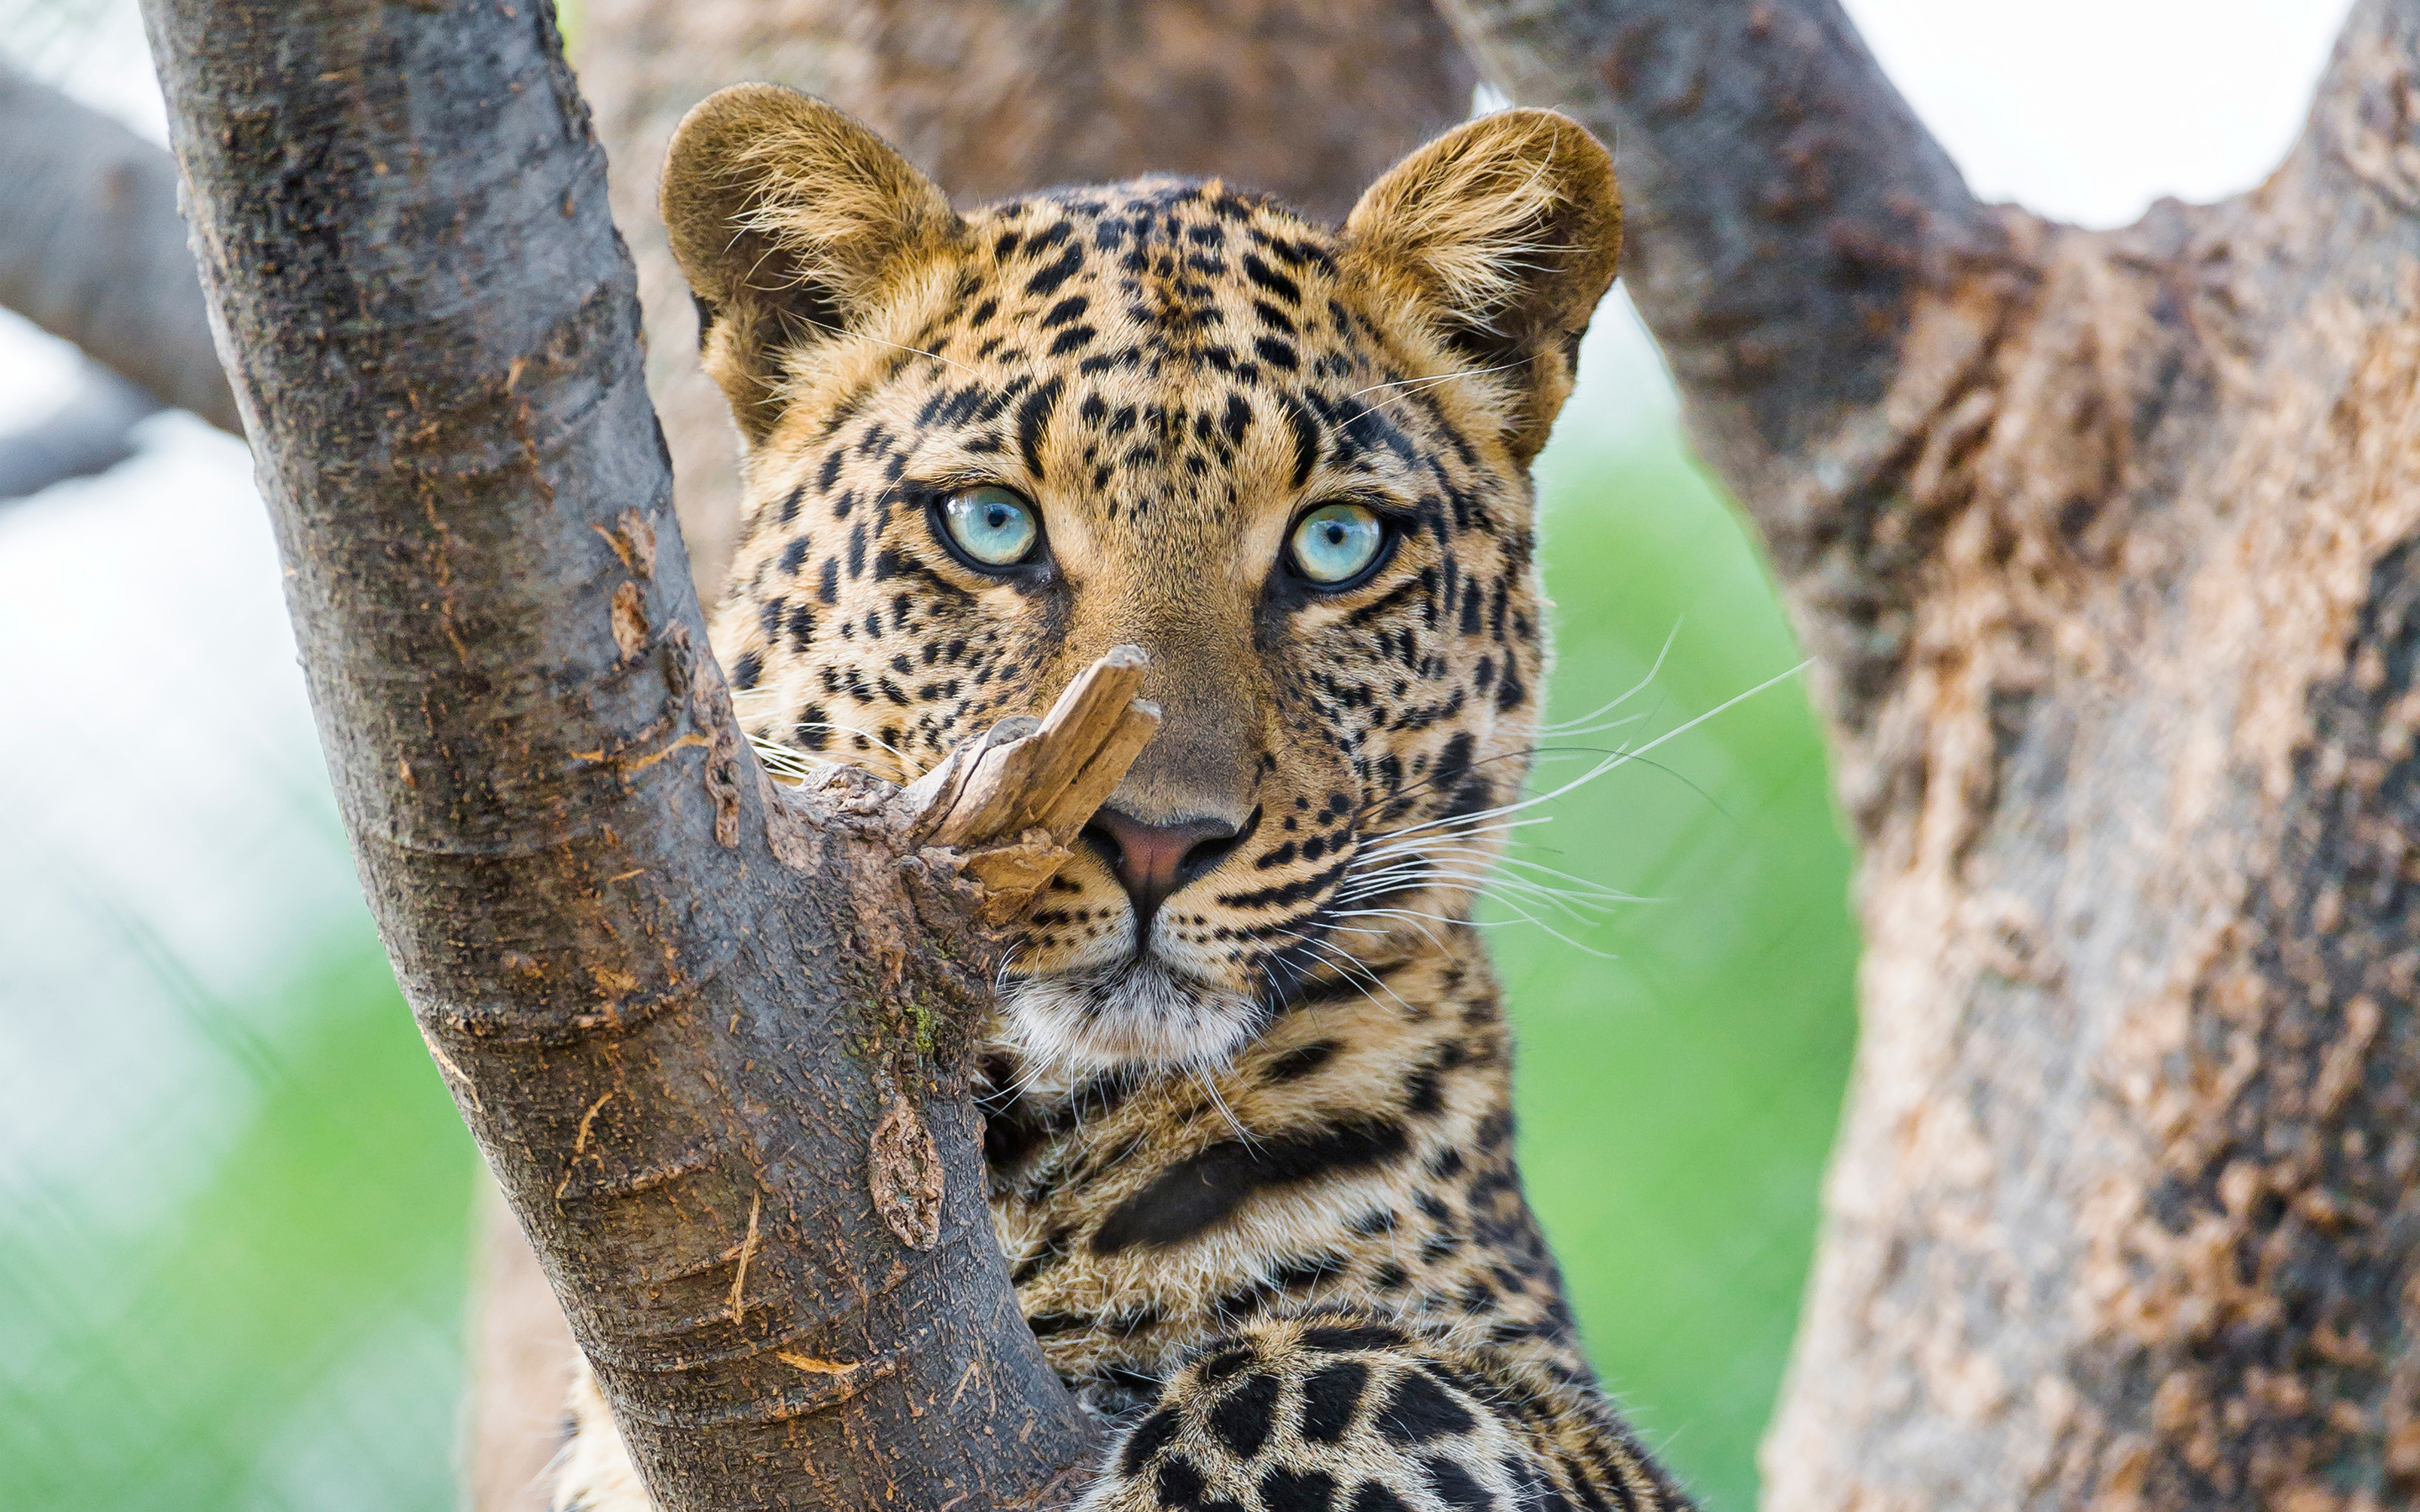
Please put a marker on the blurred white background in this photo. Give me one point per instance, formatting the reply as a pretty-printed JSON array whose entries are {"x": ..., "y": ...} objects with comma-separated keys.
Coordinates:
[{"x": 2089, "y": 110}]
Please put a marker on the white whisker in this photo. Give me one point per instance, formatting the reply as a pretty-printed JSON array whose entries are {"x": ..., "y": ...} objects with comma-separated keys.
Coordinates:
[
  {"x": 786, "y": 760},
  {"x": 1414, "y": 385},
  {"x": 1572, "y": 727},
  {"x": 1619, "y": 758},
  {"x": 1210, "y": 1090},
  {"x": 1347, "y": 966}
]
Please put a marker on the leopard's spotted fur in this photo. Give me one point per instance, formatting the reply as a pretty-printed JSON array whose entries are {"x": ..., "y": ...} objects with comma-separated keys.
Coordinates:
[{"x": 1253, "y": 1173}]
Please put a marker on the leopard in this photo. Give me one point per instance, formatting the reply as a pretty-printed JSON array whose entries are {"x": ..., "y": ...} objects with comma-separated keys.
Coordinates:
[{"x": 1247, "y": 1090}]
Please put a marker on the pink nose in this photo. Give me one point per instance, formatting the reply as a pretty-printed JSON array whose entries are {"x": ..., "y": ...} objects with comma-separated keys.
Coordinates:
[{"x": 1154, "y": 860}]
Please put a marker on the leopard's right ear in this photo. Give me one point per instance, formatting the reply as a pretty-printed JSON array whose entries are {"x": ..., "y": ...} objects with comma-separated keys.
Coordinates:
[{"x": 788, "y": 218}]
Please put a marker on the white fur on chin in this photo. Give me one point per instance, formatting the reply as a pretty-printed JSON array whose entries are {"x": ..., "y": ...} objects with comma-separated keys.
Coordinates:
[{"x": 1139, "y": 1015}]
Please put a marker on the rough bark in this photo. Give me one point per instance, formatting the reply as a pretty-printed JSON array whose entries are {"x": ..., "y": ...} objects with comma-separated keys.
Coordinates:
[
  {"x": 708, "y": 1037},
  {"x": 992, "y": 96},
  {"x": 2105, "y": 544},
  {"x": 93, "y": 251}
]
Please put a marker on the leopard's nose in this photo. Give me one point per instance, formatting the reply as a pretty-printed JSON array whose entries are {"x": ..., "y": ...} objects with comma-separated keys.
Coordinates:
[{"x": 1154, "y": 860}]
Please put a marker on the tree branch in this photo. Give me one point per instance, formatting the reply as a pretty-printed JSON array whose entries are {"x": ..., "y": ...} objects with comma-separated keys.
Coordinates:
[
  {"x": 1810, "y": 261},
  {"x": 90, "y": 433},
  {"x": 709, "y": 1038},
  {"x": 1784, "y": 203},
  {"x": 93, "y": 251}
]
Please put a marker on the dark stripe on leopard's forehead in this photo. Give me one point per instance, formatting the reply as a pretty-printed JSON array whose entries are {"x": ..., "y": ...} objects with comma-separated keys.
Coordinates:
[{"x": 1031, "y": 416}]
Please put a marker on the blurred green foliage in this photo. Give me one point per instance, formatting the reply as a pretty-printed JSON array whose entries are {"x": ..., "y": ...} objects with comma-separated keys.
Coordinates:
[
  {"x": 1677, "y": 1101},
  {"x": 285, "y": 1333},
  {"x": 283, "y": 1329}
]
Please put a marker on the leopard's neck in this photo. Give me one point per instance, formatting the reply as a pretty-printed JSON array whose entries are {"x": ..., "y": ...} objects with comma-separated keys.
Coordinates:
[{"x": 1358, "y": 1153}]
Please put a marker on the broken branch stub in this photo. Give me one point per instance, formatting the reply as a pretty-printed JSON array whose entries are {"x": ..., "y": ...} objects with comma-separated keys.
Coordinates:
[
  {"x": 1013, "y": 800},
  {"x": 1002, "y": 810}
]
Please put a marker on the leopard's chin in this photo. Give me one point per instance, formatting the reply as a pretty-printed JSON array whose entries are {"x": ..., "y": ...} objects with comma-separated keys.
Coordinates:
[{"x": 1140, "y": 1013}]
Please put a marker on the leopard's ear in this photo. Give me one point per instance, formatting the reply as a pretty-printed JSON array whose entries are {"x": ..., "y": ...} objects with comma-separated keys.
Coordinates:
[
  {"x": 788, "y": 218},
  {"x": 1504, "y": 233}
]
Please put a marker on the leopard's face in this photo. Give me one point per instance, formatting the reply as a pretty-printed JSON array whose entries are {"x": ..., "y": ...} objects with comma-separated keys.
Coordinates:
[{"x": 1169, "y": 415}]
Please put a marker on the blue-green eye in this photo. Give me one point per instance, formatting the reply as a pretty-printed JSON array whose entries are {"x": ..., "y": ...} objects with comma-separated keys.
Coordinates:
[
  {"x": 994, "y": 526},
  {"x": 1336, "y": 543}
]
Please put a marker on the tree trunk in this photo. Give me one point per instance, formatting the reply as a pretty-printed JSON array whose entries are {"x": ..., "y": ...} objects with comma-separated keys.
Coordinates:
[
  {"x": 2104, "y": 543},
  {"x": 709, "y": 1038},
  {"x": 93, "y": 251},
  {"x": 993, "y": 97}
]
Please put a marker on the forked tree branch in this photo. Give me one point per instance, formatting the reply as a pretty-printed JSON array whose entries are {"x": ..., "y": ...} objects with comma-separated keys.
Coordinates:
[
  {"x": 93, "y": 251},
  {"x": 709, "y": 1036}
]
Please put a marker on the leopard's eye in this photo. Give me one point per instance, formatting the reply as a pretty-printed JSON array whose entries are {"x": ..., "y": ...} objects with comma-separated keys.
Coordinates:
[
  {"x": 994, "y": 526},
  {"x": 1335, "y": 544}
]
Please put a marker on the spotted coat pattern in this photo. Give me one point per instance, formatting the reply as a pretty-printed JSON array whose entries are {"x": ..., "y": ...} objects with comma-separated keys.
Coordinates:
[{"x": 1251, "y": 1158}]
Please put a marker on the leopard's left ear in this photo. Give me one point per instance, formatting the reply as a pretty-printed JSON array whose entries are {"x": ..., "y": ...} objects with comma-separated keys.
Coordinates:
[{"x": 1503, "y": 233}]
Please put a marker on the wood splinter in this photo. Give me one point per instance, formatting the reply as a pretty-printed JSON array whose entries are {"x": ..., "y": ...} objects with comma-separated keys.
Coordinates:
[{"x": 1013, "y": 799}]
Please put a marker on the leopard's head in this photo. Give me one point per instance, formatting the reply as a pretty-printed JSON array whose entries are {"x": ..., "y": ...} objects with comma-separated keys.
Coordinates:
[{"x": 1289, "y": 461}]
